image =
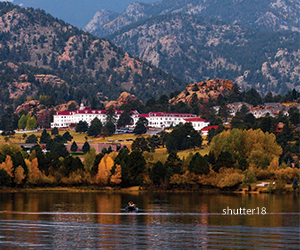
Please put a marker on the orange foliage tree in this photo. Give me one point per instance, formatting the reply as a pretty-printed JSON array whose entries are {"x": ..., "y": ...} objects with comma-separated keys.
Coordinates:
[
  {"x": 19, "y": 175},
  {"x": 8, "y": 165},
  {"x": 116, "y": 178},
  {"x": 34, "y": 173}
]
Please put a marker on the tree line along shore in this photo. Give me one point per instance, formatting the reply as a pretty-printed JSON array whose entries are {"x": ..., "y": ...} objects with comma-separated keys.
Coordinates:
[{"x": 232, "y": 160}]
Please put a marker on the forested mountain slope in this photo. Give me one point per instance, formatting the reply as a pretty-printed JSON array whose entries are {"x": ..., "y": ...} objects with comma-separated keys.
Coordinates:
[
  {"x": 266, "y": 15},
  {"x": 196, "y": 49},
  {"x": 34, "y": 43}
]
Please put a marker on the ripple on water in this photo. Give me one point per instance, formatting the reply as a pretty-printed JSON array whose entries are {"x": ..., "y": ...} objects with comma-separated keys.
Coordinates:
[{"x": 51, "y": 234}]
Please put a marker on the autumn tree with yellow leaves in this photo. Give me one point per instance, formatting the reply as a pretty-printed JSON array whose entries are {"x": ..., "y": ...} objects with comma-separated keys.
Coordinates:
[
  {"x": 255, "y": 146},
  {"x": 104, "y": 170},
  {"x": 34, "y": 173}
]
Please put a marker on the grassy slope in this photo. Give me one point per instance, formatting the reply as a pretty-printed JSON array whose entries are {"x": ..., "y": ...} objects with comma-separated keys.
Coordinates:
[{"x": 160, "y": 154}]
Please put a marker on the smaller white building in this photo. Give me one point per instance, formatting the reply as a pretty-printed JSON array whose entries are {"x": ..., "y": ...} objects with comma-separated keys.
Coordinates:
[
  {"x": 197, "y": 122},
  {"x": 163, "y": 120}
]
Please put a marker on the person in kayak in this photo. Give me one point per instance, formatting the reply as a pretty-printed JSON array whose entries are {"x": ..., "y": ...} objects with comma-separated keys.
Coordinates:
[{"x": 131, "y": 206}]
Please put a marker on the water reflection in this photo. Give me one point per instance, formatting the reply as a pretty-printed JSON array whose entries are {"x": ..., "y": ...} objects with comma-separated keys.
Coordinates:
[{"x": 165, "y": 220}]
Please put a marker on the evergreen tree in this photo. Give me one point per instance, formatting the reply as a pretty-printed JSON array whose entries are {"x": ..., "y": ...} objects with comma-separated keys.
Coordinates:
[
  {"x": 136, "y": 165},
  {"x": 211, "y": 134},
  {"x": 198, "y": 165},
  {"x": 125, "y": 119},
  {"x": 5, "y": 178},
  {"x": 140, "y": 127},
  {"x": 110, "y": 127},
  {"x": 31, "y": 139},
  {"x": 67, "y": 136},
  {"x": 59, "y": 150},
  {"x": 45, "y": 136},
  {"x": 173, "y": 164},
  {"x": 225, "y": 159},
  {"x": 71, "y": 164},
  {"x": 110, "y": 115},
  {"x": 81, "y": 127},
  {"x": 94, "y": 103},
  {"x": 54, "y": 131},
  {"x": 140, "y": 144},
  {"x": 95, "y": 128},
  {"x": 158, "y": 173},
  {"x": 183, "y": 137},
  {"x": 86, "y": 147},
  {"x": 74, "y": 147}
]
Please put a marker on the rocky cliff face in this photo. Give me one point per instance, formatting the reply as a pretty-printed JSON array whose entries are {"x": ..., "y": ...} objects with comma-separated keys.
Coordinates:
[
  {"x": 193, "y": 49},
  {"x": 100, "y": 21},
  {"x": 268, "y": 15},
  {"x": 103, "y": 23}
]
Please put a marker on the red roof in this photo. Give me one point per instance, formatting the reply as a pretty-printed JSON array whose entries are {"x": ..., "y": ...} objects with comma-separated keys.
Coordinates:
[
  {"x": 209, "y": 128},
  {"x": 65, "y": 113},
  {"x": 144, "y": 115},
  {"x": 196, "y": 119},
  {"x": 164, "y": 114}
]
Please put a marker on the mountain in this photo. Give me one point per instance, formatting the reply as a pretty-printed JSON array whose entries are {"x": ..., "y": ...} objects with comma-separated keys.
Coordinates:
[
  {"x": 196, "y": 49},
  {"x": 266, "y": 15},
  {"x": 35, "y": 46},
  {"x": 76, "y": 12}
]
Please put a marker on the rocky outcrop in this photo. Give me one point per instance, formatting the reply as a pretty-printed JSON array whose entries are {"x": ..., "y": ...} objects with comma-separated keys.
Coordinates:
[
  {"x": 65, "y": 106},
  {"x": 42, "y": 113},
  {"x": 100, "y": 20},
  {"x": 28, "y": 106},
  {"x": 52, "y": 79},
  {"x": 204, "y": 91},
  {"x": 123, "y": 99},
  {"x": 18, "y": 88}
]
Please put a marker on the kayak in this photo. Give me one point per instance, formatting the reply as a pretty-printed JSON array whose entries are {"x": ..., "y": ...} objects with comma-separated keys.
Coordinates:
[{"x": 131, "y": 209}]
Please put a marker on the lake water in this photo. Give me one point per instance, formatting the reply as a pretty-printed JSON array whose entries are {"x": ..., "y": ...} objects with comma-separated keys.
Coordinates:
[{"x": 61, "y": 220}]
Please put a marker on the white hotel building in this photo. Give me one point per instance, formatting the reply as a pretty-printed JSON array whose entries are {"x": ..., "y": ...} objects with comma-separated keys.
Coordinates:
[
  {"x": 164, "y": 120},
  {"x": 63, "y": 119}
]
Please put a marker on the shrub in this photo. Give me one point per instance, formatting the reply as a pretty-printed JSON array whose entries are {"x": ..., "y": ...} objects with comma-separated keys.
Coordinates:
[
  {"x": 279, "y": 186},
  {"x": 263, "y": 174},
  {"x": 249, "y": 176},
  {"x": 270, "y": 188}
]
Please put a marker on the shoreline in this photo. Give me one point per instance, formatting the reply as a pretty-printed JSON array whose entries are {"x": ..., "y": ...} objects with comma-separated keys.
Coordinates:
[{"x": 138, "y": 189}]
